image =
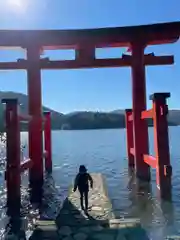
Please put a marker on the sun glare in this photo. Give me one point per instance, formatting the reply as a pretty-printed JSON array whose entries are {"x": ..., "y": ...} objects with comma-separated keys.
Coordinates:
[{"x": 17, "y": 4}]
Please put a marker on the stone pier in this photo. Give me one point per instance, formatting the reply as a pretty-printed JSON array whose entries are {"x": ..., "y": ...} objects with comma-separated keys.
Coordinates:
[{"x": 99, "y": 223}]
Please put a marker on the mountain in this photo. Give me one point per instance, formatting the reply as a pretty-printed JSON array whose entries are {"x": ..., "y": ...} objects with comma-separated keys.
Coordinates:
[
  {"x": 80, "y": 120},
  {"x": 23, "y": 100},
  {"x": 114, "y": 119},
  {"x": 119, "y": 111},
  {"x": 173, "y": 117},
  {"x": 93, "y": 120}
]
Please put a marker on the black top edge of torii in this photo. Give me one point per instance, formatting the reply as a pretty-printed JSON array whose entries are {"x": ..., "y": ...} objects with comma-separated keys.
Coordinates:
[{"x": 100, "y": 37}]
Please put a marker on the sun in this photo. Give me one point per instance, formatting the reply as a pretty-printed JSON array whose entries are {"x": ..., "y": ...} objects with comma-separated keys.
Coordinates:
[{"x": 16, "y": 4}]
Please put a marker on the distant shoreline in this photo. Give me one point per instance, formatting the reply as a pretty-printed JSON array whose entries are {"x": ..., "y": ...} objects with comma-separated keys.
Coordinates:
[
  {"x": 90, "y": 129},
  {"x": 80, "y": 120}
]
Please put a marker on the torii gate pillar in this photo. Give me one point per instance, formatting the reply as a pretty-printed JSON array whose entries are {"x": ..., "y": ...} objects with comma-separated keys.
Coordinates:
[
  {"x": 35, "y": 126},
  {"x": 141, "y": 145}
]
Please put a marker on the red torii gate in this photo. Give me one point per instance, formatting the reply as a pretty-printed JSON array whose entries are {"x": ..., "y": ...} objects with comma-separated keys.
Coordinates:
[{"x": 85, "y": 42}]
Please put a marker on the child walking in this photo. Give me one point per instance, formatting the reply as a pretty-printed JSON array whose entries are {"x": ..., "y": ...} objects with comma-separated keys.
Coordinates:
[{"x": 82, "y": 183}]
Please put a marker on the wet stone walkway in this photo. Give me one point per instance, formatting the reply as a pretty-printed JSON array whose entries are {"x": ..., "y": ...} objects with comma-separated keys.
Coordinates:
[{"x": 99, "y": 223}]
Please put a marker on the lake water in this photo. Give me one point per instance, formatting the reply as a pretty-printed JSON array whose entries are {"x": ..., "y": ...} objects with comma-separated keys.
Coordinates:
[{"x": 105, "y": 151}]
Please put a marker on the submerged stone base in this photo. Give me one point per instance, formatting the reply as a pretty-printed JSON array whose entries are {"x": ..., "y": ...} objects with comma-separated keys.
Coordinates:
[
  {"x": 98, "y": 223},
  {"x": 122, "y": 229}
]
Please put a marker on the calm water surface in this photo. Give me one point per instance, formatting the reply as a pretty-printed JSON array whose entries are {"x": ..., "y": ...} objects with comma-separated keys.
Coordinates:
[{"x": 105, "y": 151}]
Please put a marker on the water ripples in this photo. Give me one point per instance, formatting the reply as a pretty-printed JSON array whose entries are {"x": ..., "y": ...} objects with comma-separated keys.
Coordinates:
[{"x": 105, "y": 152}]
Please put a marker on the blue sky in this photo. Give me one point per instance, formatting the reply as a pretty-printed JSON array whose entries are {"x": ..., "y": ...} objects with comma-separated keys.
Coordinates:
[{"x": 93, "y": 89}]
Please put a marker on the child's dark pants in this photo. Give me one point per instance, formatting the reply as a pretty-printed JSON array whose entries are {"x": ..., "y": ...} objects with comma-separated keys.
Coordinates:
[{"x": 84, "y": 195}]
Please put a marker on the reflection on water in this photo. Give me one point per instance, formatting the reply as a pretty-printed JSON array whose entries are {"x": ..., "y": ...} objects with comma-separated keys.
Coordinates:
[{"x": 105, "y": 151}]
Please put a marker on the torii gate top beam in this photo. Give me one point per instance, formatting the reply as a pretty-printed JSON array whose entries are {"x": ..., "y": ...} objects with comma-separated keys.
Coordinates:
[{"x": 102, "y": 37}]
